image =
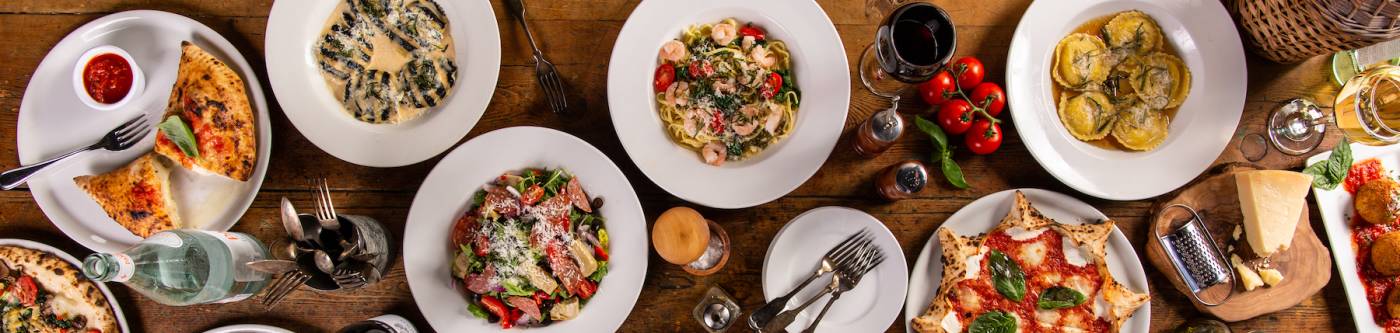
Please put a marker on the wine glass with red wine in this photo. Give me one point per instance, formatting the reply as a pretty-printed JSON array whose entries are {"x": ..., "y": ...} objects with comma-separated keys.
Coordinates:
[{"x": 913, "y": 43}]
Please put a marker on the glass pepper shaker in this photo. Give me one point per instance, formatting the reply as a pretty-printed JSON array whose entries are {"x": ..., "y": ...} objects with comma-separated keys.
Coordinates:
[
  {"x": 902, "y": 180},
  {"x": 878, "y": 133}
]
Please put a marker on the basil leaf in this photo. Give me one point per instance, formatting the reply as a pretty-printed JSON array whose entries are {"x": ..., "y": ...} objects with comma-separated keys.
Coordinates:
[
  {"x": 952, "y": 172},
  {"x": 1058, "y": 298},
  {"x": 1340, "y": 162},
  {"x": 933, "y": 131},
  {"x": 180, "y": 134},
  {"x": 1007, "y": 276},
  {"x": 1320, "y": 177},
  {"x": 993, "y": 322}
]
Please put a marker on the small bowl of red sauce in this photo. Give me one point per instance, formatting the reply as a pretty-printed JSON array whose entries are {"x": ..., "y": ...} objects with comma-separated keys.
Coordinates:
[{"x": 106, "y": 78}]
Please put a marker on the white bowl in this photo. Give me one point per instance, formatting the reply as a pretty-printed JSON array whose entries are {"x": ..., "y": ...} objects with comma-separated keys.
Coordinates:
[{"x": 138, "y": 79}]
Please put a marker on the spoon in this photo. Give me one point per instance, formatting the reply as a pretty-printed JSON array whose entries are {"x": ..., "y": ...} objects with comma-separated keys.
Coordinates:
[
  {"x": 291, "y": 221},
  {"x": 323, "y": 262}
]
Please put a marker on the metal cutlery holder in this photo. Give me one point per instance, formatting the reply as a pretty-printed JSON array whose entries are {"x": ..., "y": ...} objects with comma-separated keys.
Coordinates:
[
  {"x": 374, "y": 248},
  {"x": 1194, "y": 254}
]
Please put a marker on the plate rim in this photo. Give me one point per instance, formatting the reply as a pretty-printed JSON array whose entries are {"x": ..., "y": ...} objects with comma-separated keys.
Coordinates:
[
  {"x": 41, "y": 247},
  {"x": 1142, "y": 316}
]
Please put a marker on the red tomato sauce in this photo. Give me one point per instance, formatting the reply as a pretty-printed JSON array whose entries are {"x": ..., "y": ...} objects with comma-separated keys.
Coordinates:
[
  {"x": 1363, "y": 234},
  {"x": 107, "y": 78},
  {"x": 1054, "y": 263}
]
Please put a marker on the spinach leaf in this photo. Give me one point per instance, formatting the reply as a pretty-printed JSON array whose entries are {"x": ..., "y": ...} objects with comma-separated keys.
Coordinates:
[
  {"x": 993, "y": 322},
  {"x": 179, "y": 133},
  {"x": 1059, "y": 297},
  {"x": 1007, "y": 276}
]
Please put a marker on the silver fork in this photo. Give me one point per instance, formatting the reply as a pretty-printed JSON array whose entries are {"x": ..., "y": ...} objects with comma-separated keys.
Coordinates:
[
  {"x": 545, "y": 73},
  {"x": 348, "y": 278},
  {"x": 283, "y": 286},
  {"x": 868, "y": 262},
  {"x": 325, "y": 209},
  {"x": 118, "y": 139},
  {"x": 833, "y": 259}
]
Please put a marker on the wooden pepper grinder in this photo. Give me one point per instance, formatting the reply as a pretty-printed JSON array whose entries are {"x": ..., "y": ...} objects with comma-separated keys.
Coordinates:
[{"x": 683, "y": 237}]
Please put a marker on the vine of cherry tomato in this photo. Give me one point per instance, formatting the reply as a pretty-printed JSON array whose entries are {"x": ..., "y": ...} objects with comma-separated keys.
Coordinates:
[{"x": 966, "y": 104}]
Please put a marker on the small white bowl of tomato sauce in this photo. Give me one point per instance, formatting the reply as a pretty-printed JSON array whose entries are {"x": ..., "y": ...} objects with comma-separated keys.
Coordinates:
[{"x": 106, "y": 78}]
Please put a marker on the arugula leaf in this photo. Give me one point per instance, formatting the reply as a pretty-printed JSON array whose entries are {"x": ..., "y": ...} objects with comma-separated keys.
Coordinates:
[
  {"x": 993, "y": 322},
  {"x": 179, "y": 133},
  {"x": 941, "y": 154},
  {"x": 1059, "y": 297},
  {"x": 1007, "y": 276}
]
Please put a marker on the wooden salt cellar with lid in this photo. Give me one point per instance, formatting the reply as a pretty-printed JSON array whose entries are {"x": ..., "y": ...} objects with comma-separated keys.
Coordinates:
[{"x": 683, "y": 237}]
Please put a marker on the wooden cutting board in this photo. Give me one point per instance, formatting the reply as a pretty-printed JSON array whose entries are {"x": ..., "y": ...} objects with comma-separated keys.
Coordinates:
[{"x": 1306, "y": 265}]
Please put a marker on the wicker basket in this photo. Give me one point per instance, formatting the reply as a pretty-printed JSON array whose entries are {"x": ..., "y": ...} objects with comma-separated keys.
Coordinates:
[{"x": 1289, "y": 31}]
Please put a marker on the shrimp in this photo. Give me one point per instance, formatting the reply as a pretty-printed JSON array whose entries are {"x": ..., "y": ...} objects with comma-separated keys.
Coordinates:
[
  {"x": 714, "y": 153},
  {"x": 761, "y": 56},
  {"x": 689, "y": 125},
  {"x": 749, "y": 110},
  {"x": 676, "y": 94},
  {"x": 725, "y": 87},
  {"x": 775, "y": 118},
  {"x": 747, "y": 42},
  {"x": 722, "y": 33},
  {"x": 746, "y": 128},
  {"x": 672, "y": 51}
]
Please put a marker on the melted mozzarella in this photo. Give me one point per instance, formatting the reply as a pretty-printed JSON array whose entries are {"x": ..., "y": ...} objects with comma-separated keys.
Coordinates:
[
  {"x": 951, "y": 323},
  {"x": 1080, "y": 284},
  {"x": 1074, "y": 255},
  {"x": 969, "y": 299},
  {"x": 1051, "y": 317},
  {"x": 974, "y": 264},
  {"x": 1100, "y": 307},
  {"x": 1033, "y": 254},
  {"x": 1020, "y": 234}
]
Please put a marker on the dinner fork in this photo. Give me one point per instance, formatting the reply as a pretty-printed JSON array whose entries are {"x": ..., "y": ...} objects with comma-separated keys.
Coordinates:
[
  {"x": 118, "y": 139},
  {"x": 844, "y": 274},
  {"x": 545, "y": 73},
  {"x": 871, "y": 260},
  {"x": 830, "y": 261},
  {"x": 325, "y": 209},
  {"x": 348, "y": 278},
  {"x": 283, "y": 286}
]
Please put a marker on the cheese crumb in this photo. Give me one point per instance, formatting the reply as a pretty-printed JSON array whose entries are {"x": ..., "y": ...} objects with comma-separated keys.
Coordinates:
[
  {"x": 1237, "y": 232},
  {"x": 1248, "y": 277},
  {"x": 1271, "y": 276}
]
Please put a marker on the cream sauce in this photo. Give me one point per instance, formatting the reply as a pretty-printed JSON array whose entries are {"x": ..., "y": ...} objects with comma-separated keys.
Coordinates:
[{"x": 389, "y": 57}]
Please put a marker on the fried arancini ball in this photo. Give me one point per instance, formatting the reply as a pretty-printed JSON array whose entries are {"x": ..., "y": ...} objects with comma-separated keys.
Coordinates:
[
  {"x": 1392, "y": 303},
  {"x": 1378, "y": 201},
  {"x": 1385, "y": 254}
]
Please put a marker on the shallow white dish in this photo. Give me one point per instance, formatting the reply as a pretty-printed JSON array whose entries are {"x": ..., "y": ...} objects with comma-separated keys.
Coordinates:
[
  {"x": 293, "y": 28},
  {"x": 1204, "y": 35},
  {"x": 116, "y": 308},
  {"x": 797, "y": 251},
  {"x": 248, "y": 328},
  {"x": 52, "y": 121},
  {"x": 985, "y": 213},
  {"x": 448, "y": 189},
  {"x": 1336, "y": 208},
  {"x": 138, "y": 80},
  {"x": 819, "y": 66}
]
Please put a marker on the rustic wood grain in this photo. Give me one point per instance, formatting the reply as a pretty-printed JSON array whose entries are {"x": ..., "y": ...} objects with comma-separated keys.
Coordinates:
[{"x": 578, "y": 35}]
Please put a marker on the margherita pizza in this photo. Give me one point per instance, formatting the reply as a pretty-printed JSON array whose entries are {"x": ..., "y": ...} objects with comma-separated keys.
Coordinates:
[
  {"x": 210, "y": 101},
  {"x": 1028, "y": 274},
  {"x": 40, "y": 292}
]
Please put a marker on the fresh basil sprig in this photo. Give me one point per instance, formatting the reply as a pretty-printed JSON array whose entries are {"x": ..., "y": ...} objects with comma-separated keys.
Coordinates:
[
  {"x": 1007, "y": 276},
  {"x": 1329, "y": 173},
  {"x": 1058, "y": 298},
  {"x": 180, "y": 134},
  {"x": 941, "y": 154},
  {"x": 993, "y": 322}
]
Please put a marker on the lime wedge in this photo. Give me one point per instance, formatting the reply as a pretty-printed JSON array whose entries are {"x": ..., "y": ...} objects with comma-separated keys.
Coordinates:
[{"x": 1344, "y": 66}]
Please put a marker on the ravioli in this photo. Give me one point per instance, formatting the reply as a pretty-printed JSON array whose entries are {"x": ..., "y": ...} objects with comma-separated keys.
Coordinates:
[
  {"x": 1081, "y": 61},
  {"x": 1140, "y": 127},
  {"x": 387, "y": 61},
  {"x": 1162, "y": 82},
  {"x": 1133, "y": 31},
  {"x": 1088, "y": 116}
]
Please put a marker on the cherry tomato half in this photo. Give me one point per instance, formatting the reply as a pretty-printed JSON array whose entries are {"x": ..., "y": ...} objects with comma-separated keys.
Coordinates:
[
  {"x": 750, "y": 30},
  {"x": 939, "y": 89},
  {"x": 969, "y": 72},
  {"x": 773, "y": 85},
  {"x": 25, "y": 290},
  {"x": 983, "y": 138},
  {"x": 989, "y": 96},
  {"x": 532, "y": 194},
  {"x": 955, "y": 116},
  {"x": 665, "y": 74}
]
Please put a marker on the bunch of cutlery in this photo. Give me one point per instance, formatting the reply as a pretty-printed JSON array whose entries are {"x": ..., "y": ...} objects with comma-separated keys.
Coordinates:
[
  {"x": 327, "y": 251},
  {"x": 847, "y": 262}
]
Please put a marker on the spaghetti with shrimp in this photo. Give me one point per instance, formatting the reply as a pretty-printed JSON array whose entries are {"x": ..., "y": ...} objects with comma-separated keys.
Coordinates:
[{"x": 726, "y": 90}]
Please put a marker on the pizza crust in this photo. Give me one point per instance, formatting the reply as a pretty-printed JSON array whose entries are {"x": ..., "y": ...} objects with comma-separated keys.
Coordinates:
[
  {"x": 61, "y": 279},
  {"x": 123, "y": 194},
  {"x": 1094, "y": 237},
  {"x": 210, "y": 97}
]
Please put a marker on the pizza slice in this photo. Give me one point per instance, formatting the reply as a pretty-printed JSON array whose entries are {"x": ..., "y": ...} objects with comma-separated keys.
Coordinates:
[
  {"x": 40, "y": 292},
  {"x": 137, "y": 195},
  {"x": 1029, "y": 273},
  {"x": 208, "y": 123}
]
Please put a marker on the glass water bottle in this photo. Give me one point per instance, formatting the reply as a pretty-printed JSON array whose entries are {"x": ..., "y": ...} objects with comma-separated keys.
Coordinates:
[{"x": 185, "y": 267}]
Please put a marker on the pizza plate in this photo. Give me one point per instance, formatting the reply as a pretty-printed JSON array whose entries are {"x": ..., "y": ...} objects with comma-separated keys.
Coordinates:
[
  {"x": 53, "y": 121},
  {"x": 985, "y": 213},
  {"x": 294, "y": 27},
  {"x": 116, "y": 308}
]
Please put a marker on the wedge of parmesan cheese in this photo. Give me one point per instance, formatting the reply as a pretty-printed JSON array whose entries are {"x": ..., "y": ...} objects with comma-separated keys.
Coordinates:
[
  {"x": 1248, "y": 277},
  {"x": 1272, "y": 202},
  {"x": 1271, "y": 276}
]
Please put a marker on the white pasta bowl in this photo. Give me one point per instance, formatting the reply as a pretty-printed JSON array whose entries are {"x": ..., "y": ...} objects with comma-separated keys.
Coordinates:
[
  {"x": 819, "y": 67},
  {"x": 1205, "y": 38}
]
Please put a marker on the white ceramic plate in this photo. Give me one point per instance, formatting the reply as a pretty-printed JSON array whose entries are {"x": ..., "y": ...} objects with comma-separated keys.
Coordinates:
[
  {"x": 52, "y": 121},
  {"x": 294, "y": 26},
  {"x": 116, "y": 308},
  {"x": 797, "y": 251},
  {"x": 819, "y": 66},
  {"x": 1201, "y": 31},
  {"x": 248, "y": 328},
  {"x": 985, "y": 213},
  {"x": 449, "y": 187},
  {"x": 1336, "y": 208}
]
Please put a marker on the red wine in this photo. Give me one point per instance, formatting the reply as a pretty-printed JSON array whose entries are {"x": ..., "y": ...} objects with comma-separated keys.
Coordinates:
[{"x": 915, "y": 43}]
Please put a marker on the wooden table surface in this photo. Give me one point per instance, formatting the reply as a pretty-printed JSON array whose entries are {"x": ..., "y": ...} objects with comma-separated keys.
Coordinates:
[{"x": 578, "y": 36}]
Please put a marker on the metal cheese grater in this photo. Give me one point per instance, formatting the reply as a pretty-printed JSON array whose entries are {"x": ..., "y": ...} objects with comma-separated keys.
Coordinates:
[{"x": 1197, "y": 259}]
